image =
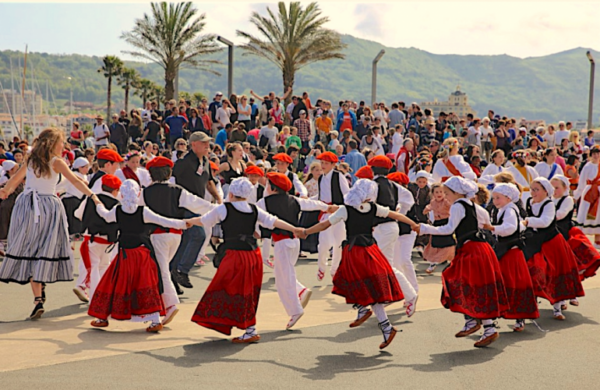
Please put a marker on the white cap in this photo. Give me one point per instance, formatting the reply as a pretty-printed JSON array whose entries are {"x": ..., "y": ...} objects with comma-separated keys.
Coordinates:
[
  {"x": 80, "y": 162},
  {"x": 8, "y": 165}
]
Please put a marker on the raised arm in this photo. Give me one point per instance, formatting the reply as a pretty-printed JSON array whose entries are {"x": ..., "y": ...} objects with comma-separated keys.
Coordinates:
[{"x": 60, "y": 166}]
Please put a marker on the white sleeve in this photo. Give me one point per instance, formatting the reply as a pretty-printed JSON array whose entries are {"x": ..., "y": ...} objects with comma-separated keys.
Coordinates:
[
  {"x": 195, "y": 204},
  {"x": 340, "y": 215},
  {"x": 533, "y": 172},
  {"x": 299, "y": 187},
  {"x": 509, "y": 224},
  {"x": 457, "y": 213},
  {"x": 108, "y": 216},
  {"x": 381, "y": 211},
  {"x": 566, "y": 206},
  {"x": 544, "y": 220},
  {"x": 214, "y": 216},
  {"x": 483, "y": 217},
  {"x": 79, "y": 212},
  {"x": 581, "y": 184},
  {"x": 311, "y": 205},
  {"x": 265, "y": 219},
  {"x": 466, "y": 170},
  {"x": 151, "y": 217},
  {"x": 405, "y": 200},
  {"x": 343, "y": 184},
  {"x": 261, "y": 204}
]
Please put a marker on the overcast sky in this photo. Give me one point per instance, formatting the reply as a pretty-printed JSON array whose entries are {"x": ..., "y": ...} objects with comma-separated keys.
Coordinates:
[{"x": 517, "y": 28}]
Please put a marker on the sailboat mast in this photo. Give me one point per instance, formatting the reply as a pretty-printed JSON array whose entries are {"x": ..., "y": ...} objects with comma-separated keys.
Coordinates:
[{"x": 23, "y": 92}]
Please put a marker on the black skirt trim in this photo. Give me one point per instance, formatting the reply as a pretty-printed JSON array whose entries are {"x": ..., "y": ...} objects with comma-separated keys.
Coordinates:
[
  {"x": 37, "y": 258},
  {"x": 35, "y": 281}
]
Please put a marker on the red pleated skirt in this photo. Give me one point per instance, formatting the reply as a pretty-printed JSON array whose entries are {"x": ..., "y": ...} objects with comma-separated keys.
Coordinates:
[
  {"x": 518, "y": 285},
  {"x": 472, "y": 283},
  {"x": 365, "y": 277},
  {"x": 231, "y": 298},
  {"x": 130, "y": 286},
  {"x": 554, "y": 272},
  {"x": 587, "y": 256}
]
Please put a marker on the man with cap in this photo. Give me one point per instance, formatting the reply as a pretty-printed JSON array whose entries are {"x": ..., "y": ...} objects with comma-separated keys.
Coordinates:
[
  {"x": 286, "y": 207},
  {"x": 282, "y": 163},
  {"x": 194, "y": 174},
  {"x": 108, "y": 163},
  {"x": 386, "y": 230},
  {"x": 101, "y": 133},
  {"x": 99, "y": 237},
  {"x": 171, "y": 201},
  {"x": 333, "y": 186}
]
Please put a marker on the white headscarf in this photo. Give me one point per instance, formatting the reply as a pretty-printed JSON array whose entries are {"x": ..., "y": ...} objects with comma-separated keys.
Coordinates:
[
  {"x": 130, "y": 194},
  {"x": 562, "y": 178},
  {"x": 546, "y": 184},
  {"x": 360, "y": 192},
  {"x": 462, "y": 186},
  {"x": 80, "y": 162},
  {"x": 8, "y": 165},
  {"x": 424, "y": 174},
  {"x": 509, "y": 190},
  {"x": 240, "y": 187}
]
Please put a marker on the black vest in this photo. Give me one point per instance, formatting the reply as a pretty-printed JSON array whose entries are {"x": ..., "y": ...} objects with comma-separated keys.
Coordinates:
[
  {"x": 260, "y": 192},
  {"x": 468, "y": 228},
  {"x": 536, "y": 237},
  {"x": 337, "y": 197},
  {"x": 163, "y": 199},
  {"x": 565, "y": 224},
  {"x": 95, "y": 178},
  {"x": 95, "y": 224},
  {"x": 504, "y": 244},
  {"x": 359, "y": 226},
  {"x": 387, "y": 196},
  {"x": 133, "y": 231},
  {"x": 285, "y": 207},
  {"x": 292, "y": 190},
  {"x": 238, "y": 228}
]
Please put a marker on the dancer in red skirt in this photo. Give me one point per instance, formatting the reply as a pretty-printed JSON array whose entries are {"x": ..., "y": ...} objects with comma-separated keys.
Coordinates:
[
  {"x": 517, "y": 281},
  {"x": 588, "y": 258},
  {"x": 131, "y": 286},
  {"x": 472, "y": 284},
  {"x": 231, "y": 299},
  {"x": 365, "y": 276},
  {"x": 551, "y": 261}
]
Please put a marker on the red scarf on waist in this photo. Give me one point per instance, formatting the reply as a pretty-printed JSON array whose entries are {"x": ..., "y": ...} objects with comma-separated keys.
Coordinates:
[
  {"x": 592, "y": 196},
  {"x": 451, "y": 168},
  {"x": 406, "y": 160},
  {"x": 130, "y": 174}
]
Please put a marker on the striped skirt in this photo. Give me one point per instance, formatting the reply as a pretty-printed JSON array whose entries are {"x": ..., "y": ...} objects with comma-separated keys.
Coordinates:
[{"x": 37, "y": 249}]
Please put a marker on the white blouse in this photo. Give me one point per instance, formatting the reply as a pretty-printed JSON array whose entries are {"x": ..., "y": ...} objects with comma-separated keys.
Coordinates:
[
  {"x": 440, "y": 170},
  {"x": 543, "y": 169},
  {"x": 149, "y": 217},
  {"x": 457, "y": 214},
  {"x": 342, "y": 214},
  {"x": 219, "y": 213},
  {"x": 543, "y": 220},
  {"x": 509, "y": 215},
  {"x": 189, "y": 201},
  {"x": 405, "y": 197},
  {"x": 565, "y": 208}
]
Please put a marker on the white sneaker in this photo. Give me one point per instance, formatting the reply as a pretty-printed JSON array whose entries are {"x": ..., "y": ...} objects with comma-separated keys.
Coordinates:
[
  {"x": 170, "y": 314},
  {"x": 81, "y": 294},
  {"x": 305, "y": 297},
  {"x": 293, "y": 320},
  {"x": 411, "y": 306}
]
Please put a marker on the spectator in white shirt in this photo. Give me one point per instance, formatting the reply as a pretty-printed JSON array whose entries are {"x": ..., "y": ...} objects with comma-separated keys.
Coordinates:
[
  {"x": 101, "y": 133},
  {"x": 550, "y": 137},
  {"x": 147, "y": 113},
  {"x": 474, "y": 133},
  {"x": 224, "y": 113},
  {"x": 561, "y": 134},
  {"x": 487, "y": 132},
  {"x": 270, "y": 132}
]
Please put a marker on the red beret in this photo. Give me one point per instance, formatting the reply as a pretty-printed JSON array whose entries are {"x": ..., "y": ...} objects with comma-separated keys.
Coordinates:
[
  {"x": 70, "y": 155},
  {"x": 280, "y": 180},
  {"x": 2, "y": 160},
  {"x": 283, "y": 157},
  {"x": 111, "y": 181},
  {"x": 399, "y": 177},
  {"x": 328, "y": 156},
  {"x": 109, "y": 155},
  {"x": 254, "y": 170},
  {"x": 381, "y": 162},
  {"x": 365, "y": 173},
  {"x": 214, "y": 166},
  {"x": 158, "y": 162}
]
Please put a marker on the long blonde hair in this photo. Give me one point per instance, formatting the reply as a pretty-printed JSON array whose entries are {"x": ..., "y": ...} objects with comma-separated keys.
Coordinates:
[{"x": 41, "y": 153}]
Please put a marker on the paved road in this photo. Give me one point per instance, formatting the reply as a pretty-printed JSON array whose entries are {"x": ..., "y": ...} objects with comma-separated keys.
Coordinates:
[{"x": 63, "y": 352}]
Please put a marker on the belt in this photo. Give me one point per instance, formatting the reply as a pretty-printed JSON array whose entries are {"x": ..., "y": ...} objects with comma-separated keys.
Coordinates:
[
  {"x": 97, "y": 240},
  {"x": 167, "y": 230},
  {"x": 275, "y": 237},
  {"x": 321, "y": 213}
]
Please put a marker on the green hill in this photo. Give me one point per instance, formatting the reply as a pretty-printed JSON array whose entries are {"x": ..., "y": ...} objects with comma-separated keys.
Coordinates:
[{"x": 552, "y": 87}]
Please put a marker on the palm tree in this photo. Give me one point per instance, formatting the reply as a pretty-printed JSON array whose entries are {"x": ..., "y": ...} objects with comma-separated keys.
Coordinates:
[
  {"x": 144, "y": 89},
  {"x": 112, "y": 67},
  {"x": 28, "y": 132},
  {"x": 170, "y": 37},
  {"x": 197, "y": 97},
  {"x": 128, "y": 79},
  {"x": 292, "y": 39}
]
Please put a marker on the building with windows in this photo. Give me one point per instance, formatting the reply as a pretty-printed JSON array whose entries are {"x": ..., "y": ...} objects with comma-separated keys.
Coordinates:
[{"x": 457, "y": 103}]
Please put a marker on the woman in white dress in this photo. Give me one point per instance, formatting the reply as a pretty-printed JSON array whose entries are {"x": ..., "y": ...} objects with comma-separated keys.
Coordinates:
[
  {"x": 588, "y": 190},
  {"x": 451, "y": 163}
]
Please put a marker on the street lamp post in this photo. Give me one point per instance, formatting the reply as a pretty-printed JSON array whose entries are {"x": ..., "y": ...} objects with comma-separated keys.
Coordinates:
[
  {"x": 70, "y": 101},
  {"x": 230, "y": 64},
  {"x": 374, "y": 79},
  {"x": 591, "y": 99}
]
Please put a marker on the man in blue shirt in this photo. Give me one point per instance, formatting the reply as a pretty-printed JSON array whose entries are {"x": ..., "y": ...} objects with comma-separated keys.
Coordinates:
[
  {"x": 354, "y": 158},
  {"x": 223, "y": 136},
  {"x": 175, "y": 122},
  {"x": 253, "y": 114}
]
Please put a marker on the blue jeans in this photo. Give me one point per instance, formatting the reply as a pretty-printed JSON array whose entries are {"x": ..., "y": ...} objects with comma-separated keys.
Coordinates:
[{"x": 191, "y": 244}]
